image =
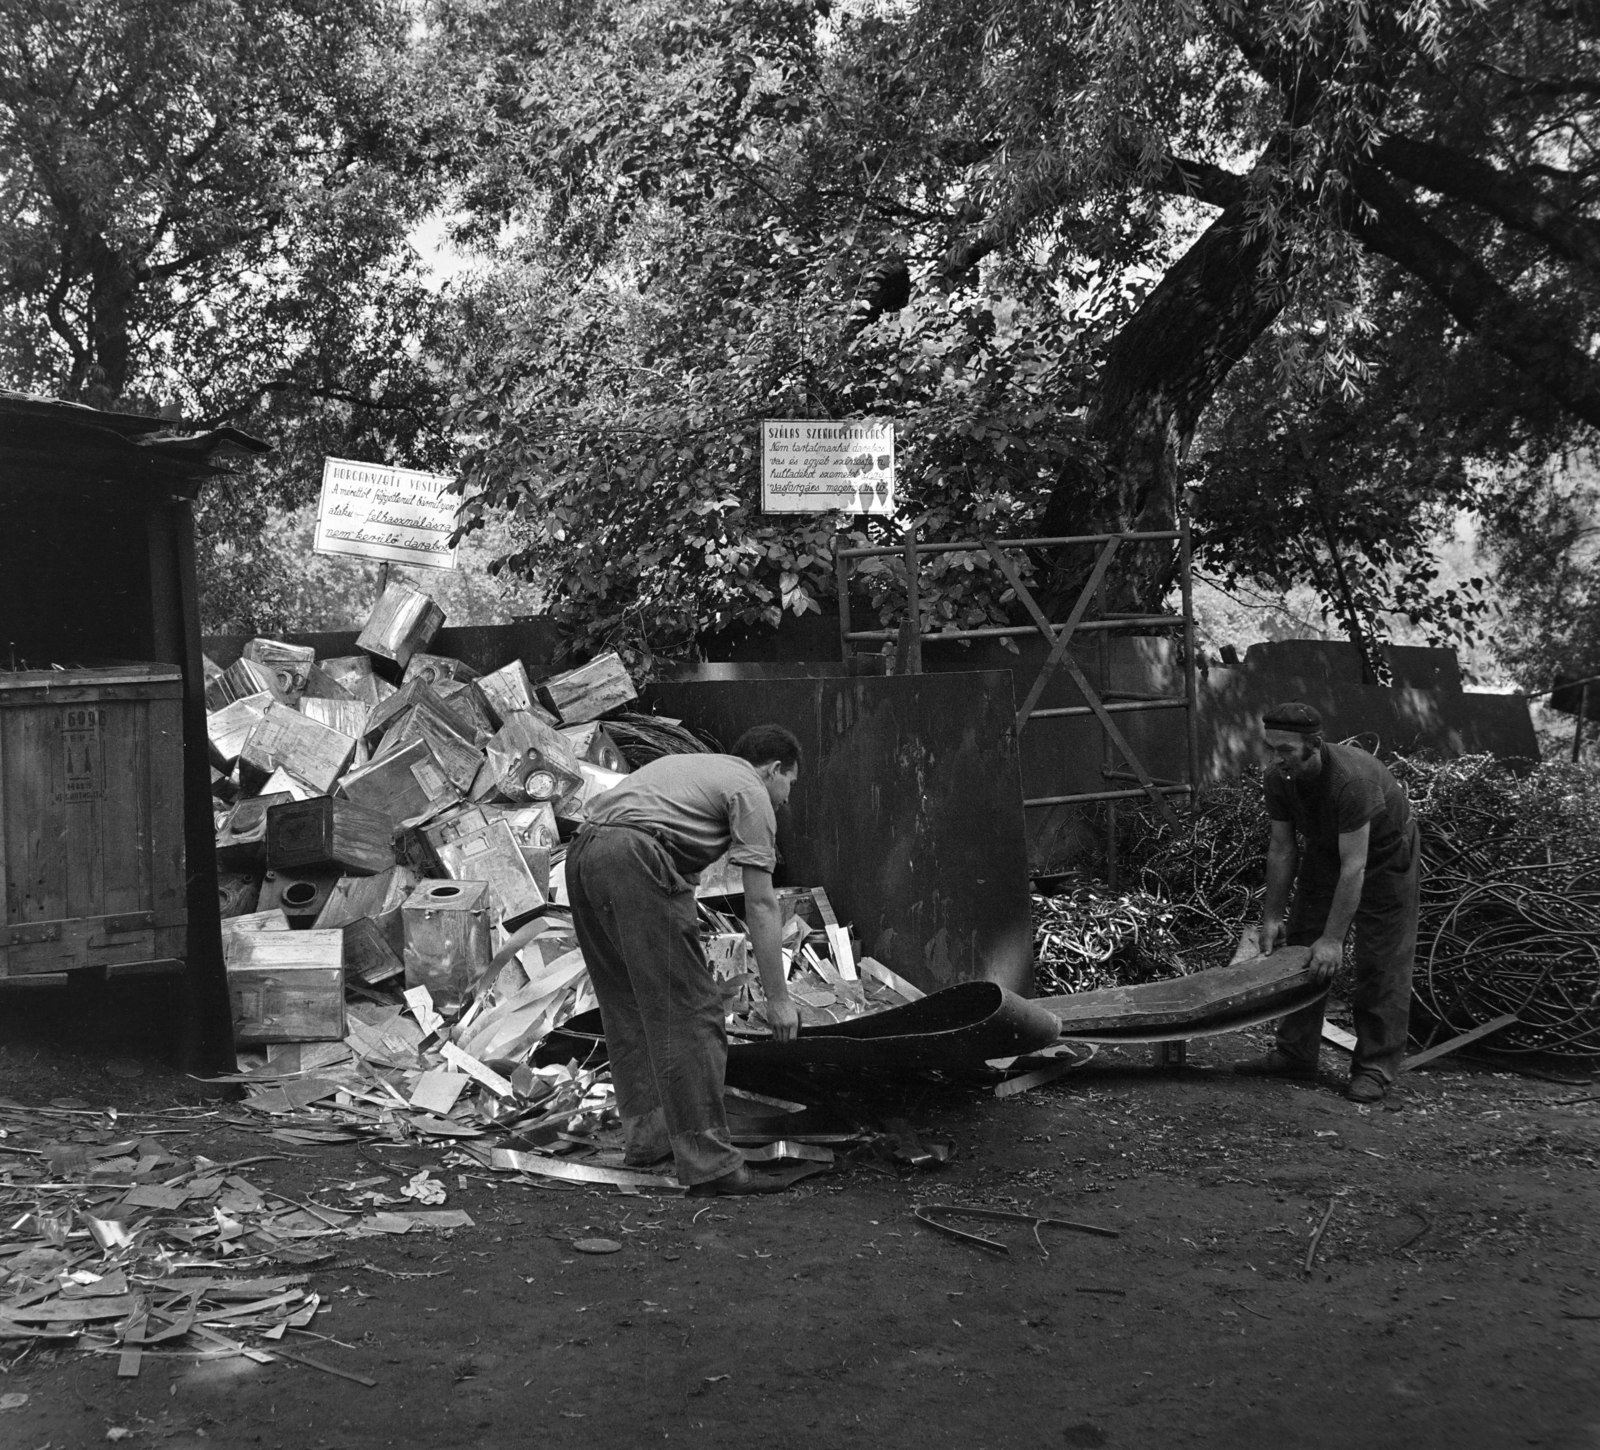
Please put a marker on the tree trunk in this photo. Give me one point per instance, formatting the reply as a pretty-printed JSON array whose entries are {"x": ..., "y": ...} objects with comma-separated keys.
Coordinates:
[{"x": 1163, "y": 369}]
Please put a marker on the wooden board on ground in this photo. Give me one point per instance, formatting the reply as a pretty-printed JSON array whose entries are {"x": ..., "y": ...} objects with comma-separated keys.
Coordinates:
[
  {"x": 1484, "y": 1029},
  {"x": 1206, "y": 996}
]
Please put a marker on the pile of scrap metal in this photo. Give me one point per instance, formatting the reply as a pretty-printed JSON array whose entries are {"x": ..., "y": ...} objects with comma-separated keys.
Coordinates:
[{"x": 1086, "y": 937}]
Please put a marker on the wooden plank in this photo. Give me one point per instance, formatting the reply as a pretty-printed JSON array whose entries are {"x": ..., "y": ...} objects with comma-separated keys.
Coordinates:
[
  {"x": 1206, "y": 996},
  {"x": 1482, "y": 1030}
]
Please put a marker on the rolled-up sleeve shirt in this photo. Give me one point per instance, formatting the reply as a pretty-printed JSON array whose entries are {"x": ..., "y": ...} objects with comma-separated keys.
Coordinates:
[{"x": 699, "y": 807}]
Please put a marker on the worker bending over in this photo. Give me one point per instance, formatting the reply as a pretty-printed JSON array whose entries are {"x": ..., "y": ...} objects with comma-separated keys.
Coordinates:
[
  {"x": 1361, "y": 865},
  {"x": 628, "y": 878}
]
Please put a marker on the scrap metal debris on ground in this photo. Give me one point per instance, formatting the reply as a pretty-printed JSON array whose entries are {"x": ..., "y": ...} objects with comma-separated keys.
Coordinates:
[{"x": 117, "y": 1242}]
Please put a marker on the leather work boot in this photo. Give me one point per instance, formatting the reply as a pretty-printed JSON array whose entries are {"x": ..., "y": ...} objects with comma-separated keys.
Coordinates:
[
  {"x": 1366, "y": 1087},
  {"x": 1276, "y": 1064},
  {"x": 740, "y": 1181}
]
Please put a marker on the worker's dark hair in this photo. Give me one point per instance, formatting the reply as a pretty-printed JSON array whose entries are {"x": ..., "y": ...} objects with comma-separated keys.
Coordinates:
[
  {"x": 1293, "y": 715},
  {"x": 761, "y": 743}
]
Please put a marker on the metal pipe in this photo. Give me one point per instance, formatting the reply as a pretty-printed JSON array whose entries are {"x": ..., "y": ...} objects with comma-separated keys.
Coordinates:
[
  {"x": 1191, "y": 685},
  {"x": 1016, "y": 631},
  {"x": 913, "y": 603},
  {"x": 841, "y": 576},
  {"x": 1104, "y": 795},
  {"x": 1131, "y": 707},
  {"x": 972, "y": 545}
]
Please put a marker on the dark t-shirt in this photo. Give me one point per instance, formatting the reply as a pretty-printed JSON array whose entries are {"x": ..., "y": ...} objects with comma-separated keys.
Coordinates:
[{"x": 1352, "y": 789}]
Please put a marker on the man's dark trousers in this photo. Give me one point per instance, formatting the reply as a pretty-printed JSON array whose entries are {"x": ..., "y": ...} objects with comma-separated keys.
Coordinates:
[
  {"x": 659, "y": 1003},
  {"x": 1386, "y": 950}
]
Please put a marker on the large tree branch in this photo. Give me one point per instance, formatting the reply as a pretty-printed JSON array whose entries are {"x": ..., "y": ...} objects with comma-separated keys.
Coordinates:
[
  {"x": 1390, "y": 225},
  {"x": 1516, "y": 202}
]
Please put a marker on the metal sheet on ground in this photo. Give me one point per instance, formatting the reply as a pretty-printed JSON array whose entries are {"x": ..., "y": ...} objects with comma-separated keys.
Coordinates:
[
  {"x": 962, "y": 1026},
  {"x": 1204, "y": 997}
]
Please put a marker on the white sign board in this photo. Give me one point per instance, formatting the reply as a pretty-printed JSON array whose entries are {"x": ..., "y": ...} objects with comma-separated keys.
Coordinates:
[
  {"x": 812, "y": 465},
  {"x": 394, "y": 514}
]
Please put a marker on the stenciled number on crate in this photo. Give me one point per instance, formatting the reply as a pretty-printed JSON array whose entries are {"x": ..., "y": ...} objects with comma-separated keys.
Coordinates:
[{"x": 81, "y": 777}]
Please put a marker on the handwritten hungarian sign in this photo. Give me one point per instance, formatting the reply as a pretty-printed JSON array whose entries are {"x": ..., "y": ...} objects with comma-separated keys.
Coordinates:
[
  {"x": 373, "y": 512},
  {"x": 811, "y": 465}
]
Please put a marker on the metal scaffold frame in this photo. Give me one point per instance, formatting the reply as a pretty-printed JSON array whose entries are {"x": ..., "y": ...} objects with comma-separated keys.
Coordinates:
[{"x": 1103, "y": 704}]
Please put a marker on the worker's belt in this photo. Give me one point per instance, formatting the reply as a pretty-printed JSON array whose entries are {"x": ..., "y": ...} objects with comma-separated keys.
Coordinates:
[{"x": 658, "y": 837}]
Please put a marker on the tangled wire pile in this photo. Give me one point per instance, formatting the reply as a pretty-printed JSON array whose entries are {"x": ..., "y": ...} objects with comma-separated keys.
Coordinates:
[
  {"x": 1085, "y": 939},
  {"x": 1510, "y": 918},
  {"x": 1510, "y": 901},
  {"x": 643, "y": 738}
]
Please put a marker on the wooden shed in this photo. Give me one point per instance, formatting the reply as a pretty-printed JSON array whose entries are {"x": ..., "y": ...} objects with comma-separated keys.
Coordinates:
[{"x": 106, "y": 828}]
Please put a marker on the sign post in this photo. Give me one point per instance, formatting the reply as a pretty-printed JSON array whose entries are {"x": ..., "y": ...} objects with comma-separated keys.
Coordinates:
[
  {"x": 394, "y": 515},
  {"x": 815, "y": 465}
]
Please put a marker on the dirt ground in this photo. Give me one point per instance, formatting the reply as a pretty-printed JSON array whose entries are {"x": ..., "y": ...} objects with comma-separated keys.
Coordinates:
[{"x": 1454, "y": 1302}]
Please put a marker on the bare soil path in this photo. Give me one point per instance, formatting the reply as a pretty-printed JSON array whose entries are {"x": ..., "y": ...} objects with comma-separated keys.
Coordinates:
[{"x": 1455, "y": 1300}]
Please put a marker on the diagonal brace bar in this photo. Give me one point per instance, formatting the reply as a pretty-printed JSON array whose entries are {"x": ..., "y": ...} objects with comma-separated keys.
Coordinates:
[
  {"x": 1058, "y": 643},
  {"x": 1058, "y": 657}
]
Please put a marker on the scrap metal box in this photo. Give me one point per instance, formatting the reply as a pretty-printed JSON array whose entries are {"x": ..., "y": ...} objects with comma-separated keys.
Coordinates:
[{"x": 92, "y": 818}]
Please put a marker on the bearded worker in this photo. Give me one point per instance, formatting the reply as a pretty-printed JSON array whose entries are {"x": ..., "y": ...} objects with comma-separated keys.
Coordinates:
[
  {"x": 628, "y": 880},
  {"x": 1361, "y": 865}
]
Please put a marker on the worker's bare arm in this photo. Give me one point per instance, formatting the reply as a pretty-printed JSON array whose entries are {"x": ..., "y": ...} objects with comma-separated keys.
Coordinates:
[
  {"x": 1328, "y": 949},
  {"x": 763, "y": 918},
  {"x": 1283, "y": 856}
]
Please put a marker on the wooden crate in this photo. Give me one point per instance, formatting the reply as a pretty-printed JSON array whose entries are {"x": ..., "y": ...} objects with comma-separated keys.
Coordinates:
[
  {"x": 286, "y": 986},
  {"x": 91, "y": 818}
]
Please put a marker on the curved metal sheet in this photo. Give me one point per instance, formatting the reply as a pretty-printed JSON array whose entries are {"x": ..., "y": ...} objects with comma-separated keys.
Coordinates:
[
  {"x": 1253, "y": 1018},
  {"x": 962, "y": 1026}
]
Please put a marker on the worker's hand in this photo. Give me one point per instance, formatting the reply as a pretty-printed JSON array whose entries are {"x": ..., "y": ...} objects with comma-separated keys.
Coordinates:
[
  {"x": 783, "y": 1017},
  {"x": 1327, "y": 956},
  {"x": 1270, "y": 935}
]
